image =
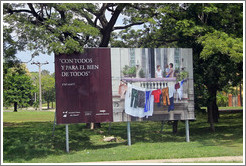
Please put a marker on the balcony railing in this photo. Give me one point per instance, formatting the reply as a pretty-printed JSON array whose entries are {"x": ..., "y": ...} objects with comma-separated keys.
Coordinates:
[{"x": 151, "y": 83}]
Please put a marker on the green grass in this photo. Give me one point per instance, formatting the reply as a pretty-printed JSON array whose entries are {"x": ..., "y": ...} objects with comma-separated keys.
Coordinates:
[
  {"x": 32, "y": 142},
  {"x": 28, "y": 116},
  {"x": 224, "y": 108}
]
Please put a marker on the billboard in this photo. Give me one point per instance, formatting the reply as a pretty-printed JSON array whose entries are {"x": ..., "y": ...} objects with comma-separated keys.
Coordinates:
[{"x": 125, "y": 84}]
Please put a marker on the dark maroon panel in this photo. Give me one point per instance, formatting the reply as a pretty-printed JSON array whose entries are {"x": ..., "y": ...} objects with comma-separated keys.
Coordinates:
[{"x": 84, "y": 87}]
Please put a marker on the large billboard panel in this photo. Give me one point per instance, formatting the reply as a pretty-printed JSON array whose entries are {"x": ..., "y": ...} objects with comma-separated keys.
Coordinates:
[{"x": 125, "y": 84}]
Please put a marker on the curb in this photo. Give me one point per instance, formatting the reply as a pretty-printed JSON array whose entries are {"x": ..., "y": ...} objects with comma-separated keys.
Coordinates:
[{"x": 188, "y": 160}]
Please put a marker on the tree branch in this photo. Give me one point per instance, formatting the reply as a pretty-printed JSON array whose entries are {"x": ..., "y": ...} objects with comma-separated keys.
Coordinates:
[
  {"x": 101, "y": 15},
  {"x": 127, "y": 26},
  {"x": 34, "y": 13},
  {"x": 10, "y": 11}
]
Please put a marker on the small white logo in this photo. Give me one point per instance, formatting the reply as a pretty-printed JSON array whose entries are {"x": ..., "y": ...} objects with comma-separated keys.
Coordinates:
[
  {"x": 102, "y": 111},
  {"x": 65, "y": 114}
]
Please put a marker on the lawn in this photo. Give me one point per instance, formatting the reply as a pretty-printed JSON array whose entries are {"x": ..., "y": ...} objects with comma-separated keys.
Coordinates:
[
  {"x": 28, "y": 116},
  {"x": 30, "y": 140}
]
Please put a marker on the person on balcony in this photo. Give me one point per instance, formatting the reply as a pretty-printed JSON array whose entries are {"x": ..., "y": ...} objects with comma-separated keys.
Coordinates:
[
  {"x": 158, "y": 72},
  {"x": 170, "y": 73}
]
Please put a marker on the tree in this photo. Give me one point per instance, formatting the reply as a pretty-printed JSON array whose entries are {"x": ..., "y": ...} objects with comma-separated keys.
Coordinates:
[
  {"x": 214, "y": 31},
  {"x": 45, "y": 72},
  {"x": 17, "y": 88},
  {"x": 69, "y": 27},
  {"x": 48, "y": 89},
  {"x": 9, "y": 50}
]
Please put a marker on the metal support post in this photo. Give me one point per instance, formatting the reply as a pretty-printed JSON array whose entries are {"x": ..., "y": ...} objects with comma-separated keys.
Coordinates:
[
  {"x": 109, "y": 128},
  {"x": 187, "y": 130},
  {"x": 162, "y": 126},
  {"x": 128, "y": 133},
  {"x": 67, "y": 139},
  {"x": 54, "y": 125}
]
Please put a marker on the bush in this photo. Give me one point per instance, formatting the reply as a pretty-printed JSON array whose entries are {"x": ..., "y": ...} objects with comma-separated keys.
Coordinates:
[{"x": 222, "y": 100}]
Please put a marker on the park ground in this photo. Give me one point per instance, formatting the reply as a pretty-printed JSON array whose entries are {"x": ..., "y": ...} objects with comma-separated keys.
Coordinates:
[{"x": 28, "y": 138}]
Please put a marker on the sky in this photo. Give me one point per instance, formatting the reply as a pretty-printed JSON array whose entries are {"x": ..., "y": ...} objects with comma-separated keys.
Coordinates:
[{"x": 25, "y": 56}]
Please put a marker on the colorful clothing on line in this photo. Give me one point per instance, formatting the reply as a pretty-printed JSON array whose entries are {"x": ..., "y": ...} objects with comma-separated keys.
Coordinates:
[
  {"x": 171, "y": 106},
  {"x": 165, "y": 96},
  {"x": 177, "y": 86},
  {"x": 156, "y": 94},
  {"x": 147, "y": 101}
]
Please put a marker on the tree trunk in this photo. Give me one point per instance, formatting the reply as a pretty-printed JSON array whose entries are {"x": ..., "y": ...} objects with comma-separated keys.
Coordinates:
[
  {"x": 52, "y": 106},
  {"x": 15, "y": 106},
  {"x": 105, "y": 38},
  {"x": 48, "y": 105},
  {"x": 213, "y": 111}
]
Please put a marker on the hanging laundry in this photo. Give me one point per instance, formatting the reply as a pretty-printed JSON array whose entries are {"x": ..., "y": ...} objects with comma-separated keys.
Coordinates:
[
  {"x": 156, "y": 94},
  {"x": 177, "y": 86},
  {"x": 147, "y": 101},
  {"x": 122, "y": 90},
  {"x": 141, "y": 99},
  {"x": 132, "y": 102},
  {"x": 180, "y": 90},
  {"x": 159, "y": 104},
  {"x": 165, "y": 96},
  {"x": 171, "y": 91},
  {"x": 171, "y": 106},
  {"x": 134, "y": 98}
]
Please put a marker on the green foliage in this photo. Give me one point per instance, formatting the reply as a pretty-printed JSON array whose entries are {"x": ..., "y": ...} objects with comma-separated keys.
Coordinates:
[
  {"x": 48, "y": 88},
  {"x": 141, "y": 73},
  {"x": 56, "y": 30},
  {"x": 17, "y": 88},
  {"x": 213, "y": 30},
  {"x": 182, "y": 75},
  {"x": 221, "y": 43},
  {"x": 129, "y": 71},
  {"x": 222, "y": 100},
  {"x": 69, "y": 27}
]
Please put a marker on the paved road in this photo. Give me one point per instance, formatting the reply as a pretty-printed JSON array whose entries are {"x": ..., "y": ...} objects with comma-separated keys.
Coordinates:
[{"x": 182, "y": 160}]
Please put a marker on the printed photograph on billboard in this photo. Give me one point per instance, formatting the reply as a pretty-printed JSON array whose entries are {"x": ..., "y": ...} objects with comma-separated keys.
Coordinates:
[{"x": 152, "y": 84}]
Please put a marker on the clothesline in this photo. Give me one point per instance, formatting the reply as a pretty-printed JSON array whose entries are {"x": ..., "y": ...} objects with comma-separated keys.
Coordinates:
[
  {"x": 148, "y": 79},
  {"x": 139, "y": 101}
]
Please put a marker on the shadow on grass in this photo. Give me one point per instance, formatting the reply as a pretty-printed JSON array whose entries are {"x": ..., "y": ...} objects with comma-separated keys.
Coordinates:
[{"x": 25, "y": 141}]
